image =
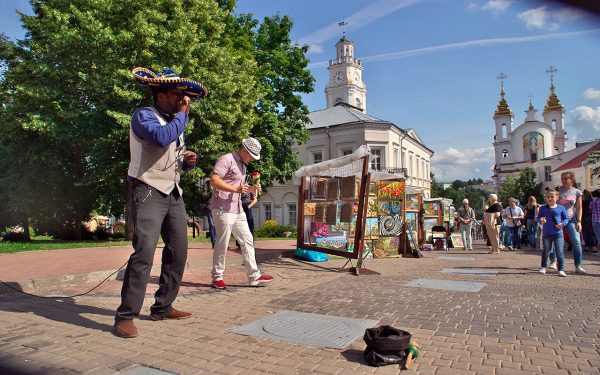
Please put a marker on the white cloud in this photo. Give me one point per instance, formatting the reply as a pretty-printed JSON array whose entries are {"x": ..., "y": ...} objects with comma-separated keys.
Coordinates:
[
  {"x": 591, "y": 94},
  {"x": 355, "y": 21},
  {"x": 471, "y": 43},
  {"x": 545, "y": 18},
  {"x": 454, "y": 164},
  {"x": 583, "y": 123},
  {"x": 497, "y": 6}
]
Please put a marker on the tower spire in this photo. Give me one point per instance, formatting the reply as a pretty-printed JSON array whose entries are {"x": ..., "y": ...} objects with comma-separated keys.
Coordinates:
[
  {"x": 503, "y": 108},
  {"x": 553, "y": 102}
]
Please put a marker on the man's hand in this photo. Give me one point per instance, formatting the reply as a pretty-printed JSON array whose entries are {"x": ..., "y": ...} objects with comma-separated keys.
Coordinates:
[
  {"x": 190, "y": 156},
  {"x": 184, "y": 105},
  {"x": 578, "y": 226}
]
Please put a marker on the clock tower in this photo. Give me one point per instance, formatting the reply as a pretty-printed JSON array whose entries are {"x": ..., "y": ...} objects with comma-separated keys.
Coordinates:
[{"x": 345, "y": 83}]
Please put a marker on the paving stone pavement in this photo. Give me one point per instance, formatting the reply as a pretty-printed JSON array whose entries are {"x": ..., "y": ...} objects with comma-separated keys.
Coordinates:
[{"x": 521, "y": 322}]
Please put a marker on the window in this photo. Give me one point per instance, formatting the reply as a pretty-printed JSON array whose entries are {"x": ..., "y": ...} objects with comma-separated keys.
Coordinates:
[
  {"x": 410, "y": 166},
  {"x": 504, "y": 131},
  {"x": 554, "y": 125},
  {"x": 292, "y": 213},
  {"x": 418, "y": 174},
  {"x": 424, "y": 176},
  {"x": 268, "y": 209},
  {"x": 376, "y": 163},
  {"x": 346, "y": 151},
  {"x": 317, "y": 157},
  {"x": 547, "y": 175},
  {"x": 396, "y": 157}
]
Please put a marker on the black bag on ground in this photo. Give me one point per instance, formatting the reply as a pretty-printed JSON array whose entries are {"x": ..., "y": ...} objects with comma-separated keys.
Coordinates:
[{"x": 386, "y": 345}]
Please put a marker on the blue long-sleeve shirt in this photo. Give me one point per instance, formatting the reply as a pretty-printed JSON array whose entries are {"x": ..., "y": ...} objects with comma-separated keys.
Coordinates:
[
  {"x": 553, "y": 216},
  {"x": 146, "y": 126}
]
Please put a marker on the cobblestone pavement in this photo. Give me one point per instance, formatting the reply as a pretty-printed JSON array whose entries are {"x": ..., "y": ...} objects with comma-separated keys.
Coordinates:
[{"x": 521, "y": 322}]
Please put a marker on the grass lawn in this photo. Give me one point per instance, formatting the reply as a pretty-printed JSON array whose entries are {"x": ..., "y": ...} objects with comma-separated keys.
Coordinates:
[{"x": 47, "y": 243}]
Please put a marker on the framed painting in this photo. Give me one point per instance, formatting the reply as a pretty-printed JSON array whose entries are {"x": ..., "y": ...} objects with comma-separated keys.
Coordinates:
[
  {"x": 457, "y": 240},
  {"x": 412, "y": 201}
]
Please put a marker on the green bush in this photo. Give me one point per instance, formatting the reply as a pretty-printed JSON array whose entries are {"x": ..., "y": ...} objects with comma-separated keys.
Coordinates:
[{"x": 270, "y": 229}]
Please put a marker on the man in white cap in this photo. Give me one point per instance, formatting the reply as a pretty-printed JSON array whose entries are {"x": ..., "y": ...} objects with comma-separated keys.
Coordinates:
[
  {"x": 228, "y": 181},
  {"x": 466, "y": 218}
]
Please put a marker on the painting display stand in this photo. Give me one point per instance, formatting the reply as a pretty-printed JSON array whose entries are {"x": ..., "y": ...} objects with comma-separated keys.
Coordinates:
[{"x": 332, "y": 205}]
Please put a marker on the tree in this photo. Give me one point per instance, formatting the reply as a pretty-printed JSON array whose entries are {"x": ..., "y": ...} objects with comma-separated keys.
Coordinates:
[
  {"x": 528, "y": 186},
  {"x": 510, "y": 188},
  {"x": 68, "y": 97}
]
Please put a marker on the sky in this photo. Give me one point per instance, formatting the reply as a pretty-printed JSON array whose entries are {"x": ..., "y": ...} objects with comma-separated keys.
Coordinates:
[{"x": 432, "y": 65}]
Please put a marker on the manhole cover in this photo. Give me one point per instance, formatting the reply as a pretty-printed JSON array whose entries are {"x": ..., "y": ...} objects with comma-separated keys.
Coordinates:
[
  {"x": 308, "y": 329},
  {"x": 455, "y": 258},
  {"x": 457, "y": 286},
  {"x": 469, "y": 271}
]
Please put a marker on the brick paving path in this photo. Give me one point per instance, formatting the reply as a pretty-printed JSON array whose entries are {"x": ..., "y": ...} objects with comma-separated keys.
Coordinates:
[{"x": 521, "y": 322}]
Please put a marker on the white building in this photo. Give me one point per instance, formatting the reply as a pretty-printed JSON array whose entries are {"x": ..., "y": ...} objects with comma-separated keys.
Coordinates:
[
  {"x": 340, "y": 129},
  {"x": 538, "y": 144}
]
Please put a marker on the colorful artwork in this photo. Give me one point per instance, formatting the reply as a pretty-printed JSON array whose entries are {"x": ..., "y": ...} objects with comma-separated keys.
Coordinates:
[
  {"x": 431, "y": 208},
  {"x": 386, "y": 247},
  {"x": 320, "y": 212},
  {"x": 457, "y": 240},
  {"x": 390, "y": 189},
  {"x": 319, "y": 230},
  {"x": 411, "y": 221},
  {"x": 412, "y": 202},
  {"x": 309, "y": 208},
  {"x": 355, "y": 208},
  {"x": 429, "y": 222},
  {"x": 446, "y": 213},
  {"x": 411, "y": 240},
  {"x": 390, "y": 225},
  {"x": 372, "y": 227},
  {"x": 337, "y": 243},
  {"x": 383, "y": 208},
  {"x": 372, "y": 207}
]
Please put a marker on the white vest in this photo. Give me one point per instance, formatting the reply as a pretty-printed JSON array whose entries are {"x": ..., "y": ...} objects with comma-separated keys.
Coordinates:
[{"x": 156, "y": 166}]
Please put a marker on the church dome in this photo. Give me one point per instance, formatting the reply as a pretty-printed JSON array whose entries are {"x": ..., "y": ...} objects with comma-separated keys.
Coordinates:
[
  {"x": 553, "y": 103},
  {"x": 503, "y": 108}
]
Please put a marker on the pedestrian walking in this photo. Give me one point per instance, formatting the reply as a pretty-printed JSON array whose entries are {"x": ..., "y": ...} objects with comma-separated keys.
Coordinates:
[
  {"x": 490, "y": 220},
  {"x": 570, "y": 198},
  {"x": 466, "y": 219},
  {"x": 158, "y": 156},
  {"x": 553, "y": 218},
  {"x": 228, "y": 182},
  {"x": 513, "y": 216},
  {"x": 531, "y": 212}
]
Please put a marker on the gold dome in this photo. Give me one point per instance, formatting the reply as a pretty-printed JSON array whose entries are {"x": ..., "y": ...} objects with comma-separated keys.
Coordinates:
[
  {"x": 553, "y": 103},
  {"x": 503, "y": 108}
]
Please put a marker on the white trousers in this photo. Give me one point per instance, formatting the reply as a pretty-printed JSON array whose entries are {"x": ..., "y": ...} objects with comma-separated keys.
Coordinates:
[{"x": 226, "y": 224}]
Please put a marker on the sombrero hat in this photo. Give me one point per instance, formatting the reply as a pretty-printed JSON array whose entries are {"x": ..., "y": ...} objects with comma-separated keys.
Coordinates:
[{"x": 169, "y": 78}]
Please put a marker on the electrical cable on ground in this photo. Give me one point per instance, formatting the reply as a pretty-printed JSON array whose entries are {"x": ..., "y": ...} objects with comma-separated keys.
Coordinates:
[{"x": 61, "y": 297}]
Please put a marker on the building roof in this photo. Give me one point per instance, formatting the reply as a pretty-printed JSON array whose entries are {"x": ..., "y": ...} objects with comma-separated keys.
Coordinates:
[
  {"x": 577, "y": 156},
  {"x": 340, "y": 115}
]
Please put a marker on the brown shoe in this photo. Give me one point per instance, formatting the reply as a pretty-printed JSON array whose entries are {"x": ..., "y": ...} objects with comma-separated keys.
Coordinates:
[
  {"x": 173, "y": 314},
  {"x": 125, "y": 329}
]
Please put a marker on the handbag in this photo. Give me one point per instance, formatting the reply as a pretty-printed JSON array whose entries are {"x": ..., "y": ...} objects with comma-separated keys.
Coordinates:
[
  {"x": 518, "y": 222},
  {"x": 386, "y": 345}
]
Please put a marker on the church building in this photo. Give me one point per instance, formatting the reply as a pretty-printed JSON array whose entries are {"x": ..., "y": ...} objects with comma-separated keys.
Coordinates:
[
  {"x": 341, "y": 128},
  {"x": 537, "y": 143}
]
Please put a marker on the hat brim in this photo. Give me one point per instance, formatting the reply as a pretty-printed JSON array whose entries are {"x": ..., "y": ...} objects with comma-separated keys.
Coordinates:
[
  {"x": 189, "y": 87},
  {"x": 254, "y": 156}
]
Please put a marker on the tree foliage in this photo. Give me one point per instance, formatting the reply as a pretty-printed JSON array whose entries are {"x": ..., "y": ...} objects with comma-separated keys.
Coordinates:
[{"x": 67, "y": 97}]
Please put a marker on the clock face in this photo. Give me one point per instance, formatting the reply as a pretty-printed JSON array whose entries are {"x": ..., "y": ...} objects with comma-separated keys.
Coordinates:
[
  {"x": 356, "y": 77},
  {"x": 339, "y": 77}
]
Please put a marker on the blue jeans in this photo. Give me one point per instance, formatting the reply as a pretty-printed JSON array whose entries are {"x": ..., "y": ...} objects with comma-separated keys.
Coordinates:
[
  {"x": 575, "y": 243},
  {"x": 515, "y": 236},
  {"x": 559, "y": 243},
  {"x": 532, "y": 228}
]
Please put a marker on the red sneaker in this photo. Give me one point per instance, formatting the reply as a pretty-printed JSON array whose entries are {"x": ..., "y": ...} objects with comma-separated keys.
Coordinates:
[
  {"x": 219, "y": 284},
  {"x": 261, "y": 280}
]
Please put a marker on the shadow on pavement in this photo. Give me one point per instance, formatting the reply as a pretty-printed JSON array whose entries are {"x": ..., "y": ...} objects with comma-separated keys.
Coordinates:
[{"x": 64, "y": 310}]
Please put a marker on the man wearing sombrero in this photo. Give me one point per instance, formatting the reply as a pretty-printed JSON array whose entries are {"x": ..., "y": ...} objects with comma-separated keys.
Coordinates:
[
  {"x": 228, "y": 181},
  {"x": 158, "y": 156}
]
